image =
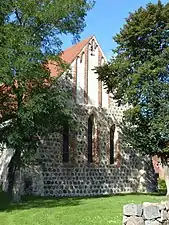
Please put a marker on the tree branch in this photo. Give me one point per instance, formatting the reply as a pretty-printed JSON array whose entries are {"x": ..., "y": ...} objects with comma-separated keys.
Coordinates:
[
  {"x": 16, "y": 13},
  {"x": 18, "y": 17}
]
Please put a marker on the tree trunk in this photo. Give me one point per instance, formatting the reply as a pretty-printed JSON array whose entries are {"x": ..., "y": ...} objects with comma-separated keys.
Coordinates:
[
  {"x": 14, "y": 177},
  {"x": 166, "y": 177},
  {"x": 165, "y": 167},
  {"x": 167, "y": 185}
]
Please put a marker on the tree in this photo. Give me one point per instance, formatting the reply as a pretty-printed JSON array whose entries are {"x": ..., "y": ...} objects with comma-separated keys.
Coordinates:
[
  {"x": 31, "y": 102},
  {"x": 138, "y": 75}
]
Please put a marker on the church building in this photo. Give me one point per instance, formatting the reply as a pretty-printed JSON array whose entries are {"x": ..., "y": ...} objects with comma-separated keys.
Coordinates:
[{"x": 91, "y": 160}]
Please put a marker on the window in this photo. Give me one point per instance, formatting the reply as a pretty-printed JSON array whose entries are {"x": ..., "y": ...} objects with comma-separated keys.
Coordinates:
[
  {"x": 90, "y": 139},
  {"x": 112, "y": 130},
  {"x": 82, "y": 57},
  {"x": 92, "y": 48},
  {"x": 66, "y": 143},
  {"x": 93, "y": 45}
]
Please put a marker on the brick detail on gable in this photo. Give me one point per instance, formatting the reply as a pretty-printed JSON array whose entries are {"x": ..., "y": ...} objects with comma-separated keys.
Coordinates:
[
  {"x": 99, "y": 81},
  {"x": 75, "y": 80},
  {"x": 86, "y": 52}
]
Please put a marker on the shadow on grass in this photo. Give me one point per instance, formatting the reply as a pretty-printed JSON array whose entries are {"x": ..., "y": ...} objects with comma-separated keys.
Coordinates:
[
  {"x": 159, "y": 193},
  {"x": 29, "y": 202}
]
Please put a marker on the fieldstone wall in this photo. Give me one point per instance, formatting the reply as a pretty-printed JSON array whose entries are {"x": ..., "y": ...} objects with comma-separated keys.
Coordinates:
[
  {"x": 146, "y": 214},
  {"x": 88, "y": 181},
  {"x": 80, "y": 178}
]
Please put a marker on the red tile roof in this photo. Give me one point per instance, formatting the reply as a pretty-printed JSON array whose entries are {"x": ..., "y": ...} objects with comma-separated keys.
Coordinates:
[
  {"x": 70, "y": 54},
  {"x": 54, "y": 69}
]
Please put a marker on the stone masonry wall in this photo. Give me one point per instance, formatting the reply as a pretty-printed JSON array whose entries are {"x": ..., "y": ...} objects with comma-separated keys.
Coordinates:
[
  {"x": 146, "y": 214},
  {"x": 80, "y": 178}
]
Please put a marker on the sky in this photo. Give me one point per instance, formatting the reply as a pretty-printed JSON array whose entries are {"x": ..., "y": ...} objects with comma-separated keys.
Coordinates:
[{"x": 105, "y": 20}]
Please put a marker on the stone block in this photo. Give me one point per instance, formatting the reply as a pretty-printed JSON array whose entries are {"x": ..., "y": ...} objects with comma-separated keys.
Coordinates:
[
  {"x": 134, "y": 220},
  {"x": 167, "y": 205},
  {"x": 165, "y": 223},
  {"x": 125, "y": 218},
  {"x": 150, "y": 203},
  {"x": 162, "y": 206},
  {"x": 155, "y": 222},
  {"x": 132, "y": 210},
  {"x": 164, "y": 215},
  {"x": 151, "y": 212}
]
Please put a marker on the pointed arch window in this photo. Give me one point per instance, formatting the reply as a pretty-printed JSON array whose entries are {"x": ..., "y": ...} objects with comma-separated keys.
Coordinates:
[
  {"x": 112, "y": 130},
  {"x": 66, "y": 143},
  {"x": 82, "y": 57},
  {"x": 90, "y": 138},
  {"x": 92, "y": 47}
]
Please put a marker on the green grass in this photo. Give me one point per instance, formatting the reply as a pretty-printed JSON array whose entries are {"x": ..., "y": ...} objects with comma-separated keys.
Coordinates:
[{"x": 69, "y": 211}]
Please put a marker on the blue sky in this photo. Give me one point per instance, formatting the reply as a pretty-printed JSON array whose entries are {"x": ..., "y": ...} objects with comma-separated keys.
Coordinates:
[{"x": 106, "y": 19}]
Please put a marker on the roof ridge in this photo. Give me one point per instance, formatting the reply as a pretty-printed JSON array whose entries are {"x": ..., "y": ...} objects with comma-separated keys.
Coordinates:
[
  {"x": 86, "y": 39},
  {"x": 69, "y": 54}
]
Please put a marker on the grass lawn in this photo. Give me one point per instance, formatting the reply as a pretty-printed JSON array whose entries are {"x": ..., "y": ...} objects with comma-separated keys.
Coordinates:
[{"x": 69, "y": 211}]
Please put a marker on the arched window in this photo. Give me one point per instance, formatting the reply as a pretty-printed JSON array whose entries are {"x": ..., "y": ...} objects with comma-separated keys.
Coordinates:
[
  {"x": 112, "y": 130},
  {"x": 90, "y": 138},
  {"x": 92, "y": 48},
  {"x": 66, "y": 143},
  {"x": 93, "y": 45},
  {"x": 82, "y": 57}
]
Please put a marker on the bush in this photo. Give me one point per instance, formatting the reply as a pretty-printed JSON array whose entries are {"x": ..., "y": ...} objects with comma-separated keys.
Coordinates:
[{"x": 161, "y": 185}]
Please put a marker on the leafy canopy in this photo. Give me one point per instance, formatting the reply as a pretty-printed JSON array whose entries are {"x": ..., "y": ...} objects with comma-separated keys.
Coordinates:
[
  {"x": 138, "y": 75},
  {"x": 30, "y": 36}
]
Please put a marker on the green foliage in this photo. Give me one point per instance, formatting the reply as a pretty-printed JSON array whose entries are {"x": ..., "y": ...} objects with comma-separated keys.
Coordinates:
[
  {"x": 138, "y": 75},
  {"x": 162, "y": 185},
  {"x": 30, "y": 36}
]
